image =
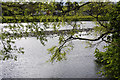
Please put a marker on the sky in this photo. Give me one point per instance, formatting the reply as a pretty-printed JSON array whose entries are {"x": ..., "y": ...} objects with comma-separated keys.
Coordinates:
[{"x": 59, "y": 0}]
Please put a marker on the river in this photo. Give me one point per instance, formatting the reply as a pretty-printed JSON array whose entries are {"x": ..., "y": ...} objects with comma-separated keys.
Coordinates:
[{"x": 32, "y": 64}]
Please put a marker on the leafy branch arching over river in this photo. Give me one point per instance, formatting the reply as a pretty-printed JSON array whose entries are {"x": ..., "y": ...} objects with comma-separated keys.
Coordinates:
[{"x": 107, "y": 31}]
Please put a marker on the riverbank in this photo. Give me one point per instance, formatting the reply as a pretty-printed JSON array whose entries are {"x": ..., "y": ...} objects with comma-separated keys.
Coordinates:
[{"x": 19, "y": 19}]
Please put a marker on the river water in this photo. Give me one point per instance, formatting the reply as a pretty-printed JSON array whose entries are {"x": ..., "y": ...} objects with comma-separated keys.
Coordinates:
[{"x": 32, "y": 64}]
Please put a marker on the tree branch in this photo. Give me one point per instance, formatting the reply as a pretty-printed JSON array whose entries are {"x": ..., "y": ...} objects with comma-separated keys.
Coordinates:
[
  {"x": 76, "y": 8},
  {"x": 97, "y": 20},
  {"x": 60, "y": 47},
  {"x": 73, "y": 38},
  {"x": 106, "y": 40},
  {"x": 100, "y": 22}
]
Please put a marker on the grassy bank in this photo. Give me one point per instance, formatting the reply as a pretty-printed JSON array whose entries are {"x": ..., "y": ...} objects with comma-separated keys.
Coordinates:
[{"x": 16, "y": 19}]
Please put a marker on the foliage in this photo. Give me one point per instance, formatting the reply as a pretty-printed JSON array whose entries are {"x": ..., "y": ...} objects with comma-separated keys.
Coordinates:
[
  {"x": 107, "y": 31},
  {"x": 111, "y": 56},
  {"x": 16, "y": 12}
]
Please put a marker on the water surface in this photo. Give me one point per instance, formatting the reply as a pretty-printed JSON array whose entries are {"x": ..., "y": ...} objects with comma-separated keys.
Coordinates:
[{"x": 79, "y": 64}]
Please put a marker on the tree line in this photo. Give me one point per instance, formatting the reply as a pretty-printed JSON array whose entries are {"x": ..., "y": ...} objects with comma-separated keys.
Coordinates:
[{"x": 40, "y": 8}]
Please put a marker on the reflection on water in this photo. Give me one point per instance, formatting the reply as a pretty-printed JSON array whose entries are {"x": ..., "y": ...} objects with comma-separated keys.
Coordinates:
[
  {"x": 79, "y": 64},
  {"x": 32, "y": 64}
]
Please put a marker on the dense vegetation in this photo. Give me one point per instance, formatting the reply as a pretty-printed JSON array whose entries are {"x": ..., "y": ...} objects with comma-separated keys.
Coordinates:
[
  {"x": 37, "y": 8},
  {"x": 108, "y": 32},
  {"x": 111, "y": 56},
  {"x": 38, "y": 11}
]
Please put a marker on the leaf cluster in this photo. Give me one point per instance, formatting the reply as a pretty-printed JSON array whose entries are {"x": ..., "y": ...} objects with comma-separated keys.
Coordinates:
[{"x": 110, "y": 58}]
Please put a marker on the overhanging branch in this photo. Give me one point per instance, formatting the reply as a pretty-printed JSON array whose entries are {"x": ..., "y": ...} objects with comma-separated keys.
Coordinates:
[
  {"x": 76, "y": 8},
  {"x": 73, "y": 38}
]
